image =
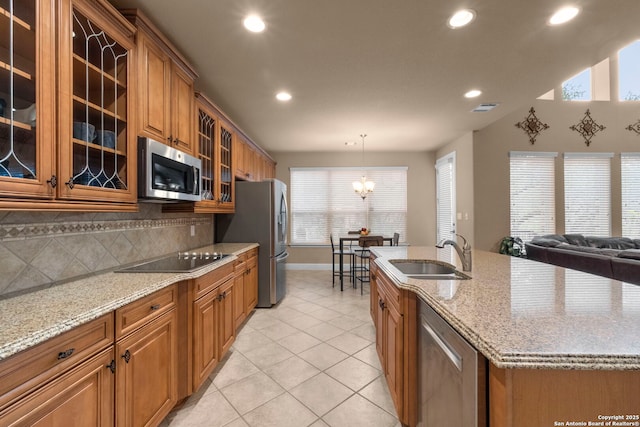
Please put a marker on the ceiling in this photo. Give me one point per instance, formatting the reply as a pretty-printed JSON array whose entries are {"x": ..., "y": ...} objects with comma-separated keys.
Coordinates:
[{"x": 392, "y": 70}]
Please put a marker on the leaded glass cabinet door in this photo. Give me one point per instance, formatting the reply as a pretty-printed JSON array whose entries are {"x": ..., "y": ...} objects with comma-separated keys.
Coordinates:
[
  {"x": 206, "y": 146},
  {"x": 97, "y": 136},
  {"x": 27, "y": 73},
  {"x": 214, "y": 149},
  {"x": 225, "y": 174}
]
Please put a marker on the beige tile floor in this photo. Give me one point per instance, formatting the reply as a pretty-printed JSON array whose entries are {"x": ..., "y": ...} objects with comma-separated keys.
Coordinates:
[{"x": 309, "y": 361}]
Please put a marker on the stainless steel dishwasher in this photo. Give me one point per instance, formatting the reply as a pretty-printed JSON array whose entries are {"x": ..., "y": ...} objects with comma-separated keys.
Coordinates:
[{"x": 452, "y": 382}]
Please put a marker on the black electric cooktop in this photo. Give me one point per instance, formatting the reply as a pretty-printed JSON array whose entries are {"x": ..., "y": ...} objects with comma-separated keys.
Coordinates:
[{"x": 183, "y": 262}]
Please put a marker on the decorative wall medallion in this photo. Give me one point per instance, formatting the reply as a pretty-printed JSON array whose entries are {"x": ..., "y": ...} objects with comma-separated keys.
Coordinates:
[
  {"x": 634, "y": 127},
  {"x": 532, "y": 126},
  {"x": 587, "y": 127}
]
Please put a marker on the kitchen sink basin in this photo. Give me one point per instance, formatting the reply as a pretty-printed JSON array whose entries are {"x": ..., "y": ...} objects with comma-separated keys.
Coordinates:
[{"x": 428, "y": 269}]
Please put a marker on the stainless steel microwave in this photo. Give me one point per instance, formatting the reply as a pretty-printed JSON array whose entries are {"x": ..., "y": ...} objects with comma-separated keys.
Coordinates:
[{"x": 166, "y": 174}]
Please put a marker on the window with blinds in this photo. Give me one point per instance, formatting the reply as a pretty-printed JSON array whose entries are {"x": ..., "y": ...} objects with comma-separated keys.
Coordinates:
[
  {"x": 532, "y": 193},
  {"x": 445, "y": 197},
  {"x": 587, "y": 193},
  {"x": 323, "y": 202},
  {"x": 630, "y": 174}
]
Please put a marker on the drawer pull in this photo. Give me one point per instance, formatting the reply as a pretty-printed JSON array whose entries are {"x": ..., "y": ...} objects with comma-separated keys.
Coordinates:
[
  {"x": 126, "y": 356},
  {"x": 155, "y": 306},
  {"x": 65, "y": 354}
]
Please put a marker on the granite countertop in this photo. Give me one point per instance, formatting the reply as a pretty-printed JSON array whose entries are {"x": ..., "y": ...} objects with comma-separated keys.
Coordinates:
[
  {"x": 526, "y": 314},
  {"x": 32, "y": 318}
]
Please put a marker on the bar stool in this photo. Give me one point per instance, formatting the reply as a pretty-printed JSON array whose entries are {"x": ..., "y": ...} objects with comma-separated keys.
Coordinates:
[
  {"x": 362, "y": 255},
  {"x": 345, "y": 253}
]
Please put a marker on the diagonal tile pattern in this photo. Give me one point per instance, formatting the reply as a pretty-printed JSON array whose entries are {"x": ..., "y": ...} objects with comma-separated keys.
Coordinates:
[{"x": 309, "y": 361}]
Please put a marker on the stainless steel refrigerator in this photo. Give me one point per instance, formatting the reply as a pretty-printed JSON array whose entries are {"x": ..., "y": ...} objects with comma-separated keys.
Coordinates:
[{"x": 260, "y": 216}]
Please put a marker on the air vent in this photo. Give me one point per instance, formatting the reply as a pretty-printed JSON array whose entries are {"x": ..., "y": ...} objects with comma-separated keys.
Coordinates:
[{"x": 483, "y": 108}]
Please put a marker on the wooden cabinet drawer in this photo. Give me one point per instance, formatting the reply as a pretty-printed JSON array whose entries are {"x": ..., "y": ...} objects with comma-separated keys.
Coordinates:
[
  {"x": 211, "y": 280},
  {"x": 239, "y": 264},
  {"x": 26, "y": 370},
  {"x": 253, "y": 253},
  {"x": 136, "y": 314}
]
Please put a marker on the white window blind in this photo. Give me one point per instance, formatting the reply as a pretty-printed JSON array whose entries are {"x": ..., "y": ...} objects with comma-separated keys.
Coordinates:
[
  {"x": 630, "y": 171},
  {"x": 445, "y": 186},
  {"x": 587, "y": 193},
  {"x": 323, "y": 202},
  {"x": 532, "y": 193}
]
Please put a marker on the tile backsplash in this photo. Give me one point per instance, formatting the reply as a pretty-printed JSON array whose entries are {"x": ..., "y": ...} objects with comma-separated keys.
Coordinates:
[{"x": 42, "y": 248}]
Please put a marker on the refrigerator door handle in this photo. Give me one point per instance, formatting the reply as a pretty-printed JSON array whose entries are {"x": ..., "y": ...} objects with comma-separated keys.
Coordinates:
[
  {"x": 282, "y": 257},
  {"x": 284, "y": 212}
]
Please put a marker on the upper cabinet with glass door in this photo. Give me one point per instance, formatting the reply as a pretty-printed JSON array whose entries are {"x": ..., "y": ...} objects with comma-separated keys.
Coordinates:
[
  {"x": 97, "y": 137},
  {"x": 27, "y": 103},
  {"x": 215, "y": 139}
]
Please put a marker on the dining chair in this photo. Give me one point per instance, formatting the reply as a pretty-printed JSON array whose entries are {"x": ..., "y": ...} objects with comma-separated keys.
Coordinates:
[
  {"x": 396, "y": 239},
  {"x": 362, "y": 255},
  {"x": 346, "y": 253}
]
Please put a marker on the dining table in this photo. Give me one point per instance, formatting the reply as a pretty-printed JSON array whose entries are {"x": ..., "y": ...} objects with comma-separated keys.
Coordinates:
[{"x": 354, "y": 238}]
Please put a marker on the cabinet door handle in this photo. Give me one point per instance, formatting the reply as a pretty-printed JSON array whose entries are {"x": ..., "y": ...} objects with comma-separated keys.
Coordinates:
[
  {"x": 155, "y": 307},
  {"x": 70, "y": 183},
  {"x": 170, "y": 139},
  {"x": 53, "y": 181},
  {"x": 112, "y": 366},
  {"x": 126, "y": 356},
  {"x": 65, "y": 354},
  {"x": 381, "y": 304}
]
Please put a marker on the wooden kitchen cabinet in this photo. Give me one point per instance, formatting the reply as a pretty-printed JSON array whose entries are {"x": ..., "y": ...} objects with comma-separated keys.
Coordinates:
[
  {"x": 215, "y": 148},
  {"x": 227, "y": 321},
  {"x": 206, "y": 337},
  {"x": 84, "y": 396},
  {"x": 96, "y": 131},
  {"x": 70, "y": 144},
  {"x": 251, "y": 281},
  {"x": 239, "y": 301},
  {"x": 245, "y": 288},
  {"x": 212, "y": 323},
  {"x": 251, "y": 163},
  {"x": 147, "y": 359},
  {"x": 544, "y": 397},
  {"x": 27, "y": 84},
  {"x": 166, "y": 95},
  {"x": 394, "y": 314},
  {"x": 30, "y": 369}
]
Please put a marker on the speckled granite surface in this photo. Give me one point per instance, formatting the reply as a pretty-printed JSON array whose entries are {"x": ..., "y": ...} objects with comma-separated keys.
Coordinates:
[
  {"x": 526, "y": 314},
  {"x": 32, "y": 318}
]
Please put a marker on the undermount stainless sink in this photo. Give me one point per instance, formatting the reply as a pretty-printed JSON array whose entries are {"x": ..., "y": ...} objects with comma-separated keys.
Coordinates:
[{"x": 427, "y": 269}]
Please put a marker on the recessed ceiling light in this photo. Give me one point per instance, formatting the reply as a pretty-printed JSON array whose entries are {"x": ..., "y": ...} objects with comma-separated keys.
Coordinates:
[
  {"x": 254, "y": 23},
  {"x": 563, "y": 15},
  {"x": 350, "y": 143},
  {"x": 472, "y": 93},
  {"x": 461, "y": 18},
  {"x": 283, "y": 96}
]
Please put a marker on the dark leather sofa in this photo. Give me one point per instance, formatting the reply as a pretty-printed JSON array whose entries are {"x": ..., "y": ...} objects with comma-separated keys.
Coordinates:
[{"x": 614, "y": 257}]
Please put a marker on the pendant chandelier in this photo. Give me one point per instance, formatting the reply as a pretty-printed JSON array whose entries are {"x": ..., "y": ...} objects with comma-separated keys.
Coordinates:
[{"x": 364, "y": 186}]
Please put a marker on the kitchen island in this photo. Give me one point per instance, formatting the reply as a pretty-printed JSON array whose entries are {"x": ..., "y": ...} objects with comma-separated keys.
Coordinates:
[{"x": 562, "y": 346}]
